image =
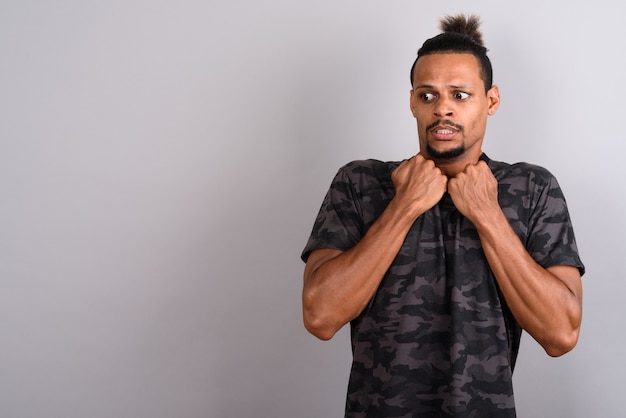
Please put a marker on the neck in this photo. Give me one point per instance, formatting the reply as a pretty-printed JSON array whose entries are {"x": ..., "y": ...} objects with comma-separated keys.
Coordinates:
[
  {"x": 451, "y": 169},
  {"x": 453, "y": 166}
]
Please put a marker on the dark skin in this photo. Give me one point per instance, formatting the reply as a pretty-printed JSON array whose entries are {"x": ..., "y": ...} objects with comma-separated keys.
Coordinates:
[{"x": 547, "y": 303}]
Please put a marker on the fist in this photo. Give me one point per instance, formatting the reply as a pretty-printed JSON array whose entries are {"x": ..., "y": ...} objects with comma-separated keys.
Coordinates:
[
  {"x": 419, "y": 183},
  {"x": 474, "y": 192}
]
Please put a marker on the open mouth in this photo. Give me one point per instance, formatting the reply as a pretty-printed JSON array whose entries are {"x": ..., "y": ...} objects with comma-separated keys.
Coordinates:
[
  {"x": 443, "y": 133},
  {"x": 444, "y": 129}
]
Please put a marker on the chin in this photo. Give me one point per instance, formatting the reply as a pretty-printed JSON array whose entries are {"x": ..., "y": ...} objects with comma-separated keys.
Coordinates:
[{"x": 446, "y": 155}]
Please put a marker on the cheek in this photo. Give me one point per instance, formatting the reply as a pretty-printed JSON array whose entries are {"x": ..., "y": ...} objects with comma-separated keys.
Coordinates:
[
  {"x": 421, "y": 131},
  {"x": 423, "y": 118},
  {"x": 479, "y": 121},
  {"x": 478, "y": 127},
  {"x": 422, "y": 124}
]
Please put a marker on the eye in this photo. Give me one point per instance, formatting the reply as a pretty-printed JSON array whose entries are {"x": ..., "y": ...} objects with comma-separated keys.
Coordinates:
[
  {"x": 428, "y": 97},
  {"x": 461, "y": 95}
]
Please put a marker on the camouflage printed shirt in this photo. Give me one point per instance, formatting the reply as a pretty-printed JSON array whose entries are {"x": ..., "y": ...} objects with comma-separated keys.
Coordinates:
[{"x": 437, "y": 339}]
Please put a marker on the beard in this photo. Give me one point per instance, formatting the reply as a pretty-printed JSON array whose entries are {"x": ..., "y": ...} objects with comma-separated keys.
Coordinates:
[{"x": 445, "y": 155}]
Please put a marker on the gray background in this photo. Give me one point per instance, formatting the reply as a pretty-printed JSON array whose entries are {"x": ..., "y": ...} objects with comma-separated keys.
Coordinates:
[{"x": 161, "y": 164}]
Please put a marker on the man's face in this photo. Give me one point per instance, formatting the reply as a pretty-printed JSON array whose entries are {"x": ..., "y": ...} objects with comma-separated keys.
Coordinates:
[{"x": 449, "y": 102}]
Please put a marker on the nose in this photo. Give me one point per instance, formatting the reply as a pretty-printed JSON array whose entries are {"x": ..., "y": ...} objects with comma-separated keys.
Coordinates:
[{"x": 444, "y": 107}]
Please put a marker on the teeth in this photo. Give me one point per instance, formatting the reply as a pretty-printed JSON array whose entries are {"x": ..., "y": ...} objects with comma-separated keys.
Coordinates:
[{"x": 444, "y": 131}]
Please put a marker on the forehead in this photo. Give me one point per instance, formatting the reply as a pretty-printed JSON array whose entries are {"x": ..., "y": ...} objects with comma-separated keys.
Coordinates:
[{"x": 447, "y": 69}]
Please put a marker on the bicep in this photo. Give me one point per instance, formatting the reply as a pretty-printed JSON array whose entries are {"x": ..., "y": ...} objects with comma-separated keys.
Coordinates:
[
  {"x": 570, "y": 277},
  {"x": 316, "y": 259}
]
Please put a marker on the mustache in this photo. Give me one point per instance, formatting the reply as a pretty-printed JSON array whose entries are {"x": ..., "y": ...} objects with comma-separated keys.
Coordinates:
[{"x": 444, "y": 122}]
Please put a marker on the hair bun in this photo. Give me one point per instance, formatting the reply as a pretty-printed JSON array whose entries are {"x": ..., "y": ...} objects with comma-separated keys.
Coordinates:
[{"x": 466, "y": 25}]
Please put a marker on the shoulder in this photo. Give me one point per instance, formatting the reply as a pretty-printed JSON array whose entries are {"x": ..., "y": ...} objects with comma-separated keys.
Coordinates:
[
  {"x": 527, "y": 188},
  {"x": 369, "y": 167},
  {"x": 532, "y": 174},
  {"x": 366, "y": 172}
]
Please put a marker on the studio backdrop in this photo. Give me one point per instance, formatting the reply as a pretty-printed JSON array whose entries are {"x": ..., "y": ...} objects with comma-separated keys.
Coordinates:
[{"x": 161, "y": 165}]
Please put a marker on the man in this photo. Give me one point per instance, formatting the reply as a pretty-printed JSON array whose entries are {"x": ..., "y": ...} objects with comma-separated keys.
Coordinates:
[{"x": 438, "y": 262}]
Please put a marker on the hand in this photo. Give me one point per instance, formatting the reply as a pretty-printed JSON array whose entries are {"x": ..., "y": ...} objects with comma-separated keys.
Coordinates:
[
  {"x": 419, "y": 183},
  {"x": 474, "y": 192}
]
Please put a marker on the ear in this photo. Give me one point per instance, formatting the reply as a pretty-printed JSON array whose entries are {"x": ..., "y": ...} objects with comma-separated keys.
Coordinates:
[
  {"x": 411, "y": 102},
  {"x": 493, "y": 98}
]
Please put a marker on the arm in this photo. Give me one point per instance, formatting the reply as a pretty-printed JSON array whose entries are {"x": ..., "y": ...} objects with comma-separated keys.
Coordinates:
[
  {"x": 547, "y": 303},
  {"x": 339, "y": 284}
]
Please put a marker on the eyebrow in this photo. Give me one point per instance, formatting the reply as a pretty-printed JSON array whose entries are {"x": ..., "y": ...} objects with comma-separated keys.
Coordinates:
[{"x": 451, "y": 86}]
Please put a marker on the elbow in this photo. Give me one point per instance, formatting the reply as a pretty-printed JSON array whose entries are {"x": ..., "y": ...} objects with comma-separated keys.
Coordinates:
[
  {"x": 563, "y": 344},
  {"x": 317, "y": 321},
  {"x": 319, "y": 328},
  {"x": 561, "y": 337}
]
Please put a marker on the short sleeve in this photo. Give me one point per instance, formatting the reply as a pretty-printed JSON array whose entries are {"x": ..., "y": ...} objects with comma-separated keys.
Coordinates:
[
  {"x": 551, "y": 238},
  {"x": 339, "y": 223}
]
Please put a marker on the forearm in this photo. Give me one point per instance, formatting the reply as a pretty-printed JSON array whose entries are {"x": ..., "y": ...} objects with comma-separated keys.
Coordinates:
[
  {"x": 339, "y": 285},
  {"x": 545, "y": 302}
]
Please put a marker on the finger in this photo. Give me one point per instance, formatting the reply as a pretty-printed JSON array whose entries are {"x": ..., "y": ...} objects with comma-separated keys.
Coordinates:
[
  {"x": 481, "y": 165},
  {"x": 411, "y": 160},
  {"x": 402, "y": 164}
]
